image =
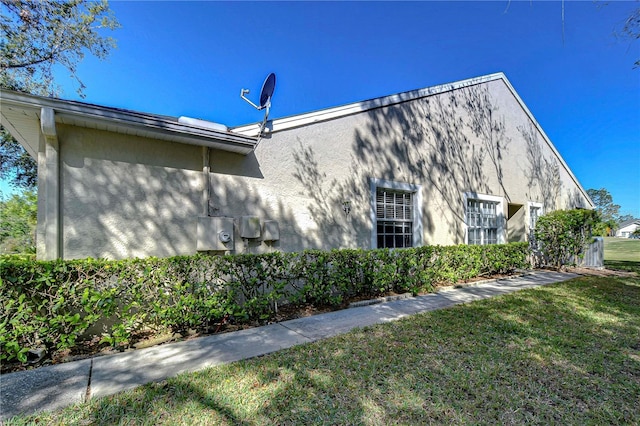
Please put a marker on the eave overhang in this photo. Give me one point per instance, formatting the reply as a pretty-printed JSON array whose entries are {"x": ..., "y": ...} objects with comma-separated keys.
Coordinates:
[{"x": 20, "y": 114}]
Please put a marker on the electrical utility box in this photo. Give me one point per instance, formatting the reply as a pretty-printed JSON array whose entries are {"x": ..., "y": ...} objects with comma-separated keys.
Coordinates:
[
  {"x": 214, "y": 234},
  {"x": 270, "y": 231},
  {"x": 250, "y": 227}
]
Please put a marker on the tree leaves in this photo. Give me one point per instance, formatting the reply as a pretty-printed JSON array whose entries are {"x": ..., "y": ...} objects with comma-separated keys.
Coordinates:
[
  {"x": 36, "y": 36},
  {"x": 18, "y": 223}
]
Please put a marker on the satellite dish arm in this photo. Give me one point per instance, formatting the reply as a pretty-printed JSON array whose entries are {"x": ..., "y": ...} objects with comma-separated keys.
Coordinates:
[{"x": 243, "y": 92}]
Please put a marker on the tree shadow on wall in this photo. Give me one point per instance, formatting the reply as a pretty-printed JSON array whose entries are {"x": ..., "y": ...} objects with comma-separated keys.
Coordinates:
[
  {"x": 449, "y": 143},
  {"x": 251, "y": 199},
  {"x": 543, "y": 175}
]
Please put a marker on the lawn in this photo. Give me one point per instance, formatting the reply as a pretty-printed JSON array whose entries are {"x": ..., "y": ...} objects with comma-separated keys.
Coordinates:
[
  {"x": 561, "y": 354},
  {"x": 622, "y": 253}
]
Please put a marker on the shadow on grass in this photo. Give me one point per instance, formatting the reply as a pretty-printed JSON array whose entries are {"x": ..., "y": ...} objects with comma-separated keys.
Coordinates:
[{"x": 623, "y": 265}]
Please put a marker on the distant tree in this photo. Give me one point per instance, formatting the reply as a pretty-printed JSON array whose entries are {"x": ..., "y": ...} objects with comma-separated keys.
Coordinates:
[
  {"x": 624, "y": 218},
  {"x": 604, "y": 204},
  {"x": 36, "y": 36},
  {"x": 18, "y": 223},
  {"x": 605, "y": 229},
  {"x": 16, "y": 165}
]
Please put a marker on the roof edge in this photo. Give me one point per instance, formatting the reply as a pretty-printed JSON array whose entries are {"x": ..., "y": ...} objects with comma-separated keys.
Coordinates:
[
  {"x": 82, "y": 114},
  {"x": 318, "y": 116}
]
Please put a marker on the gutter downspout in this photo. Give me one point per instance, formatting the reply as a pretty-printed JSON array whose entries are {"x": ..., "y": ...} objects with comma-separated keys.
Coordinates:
[{"x": 52, "y": 242}]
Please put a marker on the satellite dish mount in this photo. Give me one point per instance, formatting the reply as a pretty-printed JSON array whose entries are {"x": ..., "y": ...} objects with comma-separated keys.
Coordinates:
[{"x": 266, "y": 93}]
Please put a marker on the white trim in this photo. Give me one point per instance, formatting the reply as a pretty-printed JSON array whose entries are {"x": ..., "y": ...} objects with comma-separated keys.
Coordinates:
[
  {"x": 299, "y": 120},
  {"x": 52, "y": 219},
  {"x": 528, "y": 212},
  {"x": 127, "y": 122},
  {"x": 374, "y": 184},
  {"x": 501, "y": 237}
]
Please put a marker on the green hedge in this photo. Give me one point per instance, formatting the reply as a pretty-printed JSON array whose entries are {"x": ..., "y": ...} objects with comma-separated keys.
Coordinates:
[{"x": 53, "y": 303}]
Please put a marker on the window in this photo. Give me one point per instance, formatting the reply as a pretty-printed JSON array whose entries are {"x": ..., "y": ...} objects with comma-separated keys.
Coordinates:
[
  {"x": 394, "y": 218},
  {"x": 484, "y": 218},
  {"x": 396, "y": 214},
  {"x": 535, "y": 211}
]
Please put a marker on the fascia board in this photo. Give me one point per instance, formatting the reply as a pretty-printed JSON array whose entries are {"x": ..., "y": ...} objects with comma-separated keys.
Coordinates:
[
  {"x": 166, "y": 130},
  {"x": 299, "y": 120},
  {"x": 155, "y": 126}
]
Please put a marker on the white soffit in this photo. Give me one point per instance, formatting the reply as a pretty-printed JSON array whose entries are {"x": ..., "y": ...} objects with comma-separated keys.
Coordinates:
[{"x": 23, "y": 125}]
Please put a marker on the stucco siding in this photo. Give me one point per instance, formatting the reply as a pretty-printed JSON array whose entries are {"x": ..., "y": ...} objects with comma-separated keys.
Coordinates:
[
  {"x": 130, "y": 196},
  {"x": 125, "y": 196},
  {"x": 476, "y": 139}
]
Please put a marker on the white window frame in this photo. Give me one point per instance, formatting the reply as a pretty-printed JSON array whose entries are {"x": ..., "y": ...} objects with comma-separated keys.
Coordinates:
[
  {"x": 533, "y": 204},
  {"x": 416, "y": 190},
  {"x": 501, "y": 237}
]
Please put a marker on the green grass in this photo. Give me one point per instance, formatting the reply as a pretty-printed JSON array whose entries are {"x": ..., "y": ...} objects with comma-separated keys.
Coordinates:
[
  {"x": 625, "y": 249},
  {"x": 622, "y": 254},
  {"x": 561, "y": 354}
]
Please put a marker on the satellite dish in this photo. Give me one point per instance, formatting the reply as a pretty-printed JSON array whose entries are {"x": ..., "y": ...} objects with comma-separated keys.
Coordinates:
[
  {"x": 266, "y": 93},
  {"x": 268, "y": 87}
]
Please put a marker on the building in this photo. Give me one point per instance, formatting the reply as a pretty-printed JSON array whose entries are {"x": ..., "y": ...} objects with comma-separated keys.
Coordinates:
[
  {"x": 627, "y": 228},
  {"x": 464, "y": 162}
]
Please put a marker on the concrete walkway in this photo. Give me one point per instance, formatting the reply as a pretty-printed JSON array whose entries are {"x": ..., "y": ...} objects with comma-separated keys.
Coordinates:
[{"x": 52, "y": 387}]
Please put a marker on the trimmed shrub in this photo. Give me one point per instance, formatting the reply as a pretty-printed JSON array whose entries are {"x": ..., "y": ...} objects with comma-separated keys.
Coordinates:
[
  {"x": 51, "y": 304},
  {"x": 563, "y": 235}
]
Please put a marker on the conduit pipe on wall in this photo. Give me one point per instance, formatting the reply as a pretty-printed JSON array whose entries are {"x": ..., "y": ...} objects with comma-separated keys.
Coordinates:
[{"x": 206, "y": 192}]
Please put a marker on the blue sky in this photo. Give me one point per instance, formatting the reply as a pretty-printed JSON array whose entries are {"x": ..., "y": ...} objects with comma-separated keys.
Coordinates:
[{"x": 192, "y": 58}]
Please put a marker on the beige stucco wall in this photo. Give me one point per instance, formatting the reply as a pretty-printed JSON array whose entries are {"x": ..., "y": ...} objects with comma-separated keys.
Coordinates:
[
  {"x": 477, "y": 139},
  {"x": 125, "y": 196}
]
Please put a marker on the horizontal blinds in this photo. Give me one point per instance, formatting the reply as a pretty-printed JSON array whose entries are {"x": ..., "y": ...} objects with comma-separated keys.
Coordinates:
[
  {"x": 394, "y": 205},
  {"x": 482, "y": 222}
]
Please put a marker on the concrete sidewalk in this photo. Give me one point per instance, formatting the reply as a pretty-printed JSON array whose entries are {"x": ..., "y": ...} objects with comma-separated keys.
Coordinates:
[{"x": 51, "y": 387}]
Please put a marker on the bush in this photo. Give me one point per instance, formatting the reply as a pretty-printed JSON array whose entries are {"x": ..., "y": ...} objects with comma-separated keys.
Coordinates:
[
  {"x": 53, "y": 303},
  {"x": 564, "y": 234},
  {"x": 18, "y": 222}
]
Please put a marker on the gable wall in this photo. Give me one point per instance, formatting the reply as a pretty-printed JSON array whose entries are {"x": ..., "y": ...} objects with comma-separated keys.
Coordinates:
[{"x": 476, "y": 139}]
